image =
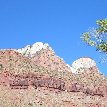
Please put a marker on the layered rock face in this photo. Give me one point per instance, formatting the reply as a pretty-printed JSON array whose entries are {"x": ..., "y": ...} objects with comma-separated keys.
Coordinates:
[{"x": 35, "y": 77}]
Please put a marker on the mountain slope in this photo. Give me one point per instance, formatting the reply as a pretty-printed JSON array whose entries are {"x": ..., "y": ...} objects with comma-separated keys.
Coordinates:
[{"x": 36, "y": 77}]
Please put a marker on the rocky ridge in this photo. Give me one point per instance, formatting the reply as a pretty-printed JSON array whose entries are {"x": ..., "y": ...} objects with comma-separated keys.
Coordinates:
[
  {"x": 42, "y": 79},
  {"x": 31, "y": 50}
]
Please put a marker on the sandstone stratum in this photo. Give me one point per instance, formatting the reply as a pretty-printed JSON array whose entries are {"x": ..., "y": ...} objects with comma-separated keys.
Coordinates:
[{"x": 35, "y": 76}]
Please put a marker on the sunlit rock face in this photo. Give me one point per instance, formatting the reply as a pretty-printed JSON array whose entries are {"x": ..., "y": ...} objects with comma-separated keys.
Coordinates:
[
  {"x": 31, "y": 50},
  {"x": 82, "y": 63},
  {"x": 35, "y": 76},
  {"x": 43, "y": 55}
]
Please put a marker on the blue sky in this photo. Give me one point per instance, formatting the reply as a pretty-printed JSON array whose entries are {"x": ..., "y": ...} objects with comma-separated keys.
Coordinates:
[{"x": 57, "y": 22}]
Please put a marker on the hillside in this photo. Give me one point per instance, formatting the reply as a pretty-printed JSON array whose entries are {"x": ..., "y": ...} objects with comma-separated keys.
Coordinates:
[{"x": 35, "y": 76}]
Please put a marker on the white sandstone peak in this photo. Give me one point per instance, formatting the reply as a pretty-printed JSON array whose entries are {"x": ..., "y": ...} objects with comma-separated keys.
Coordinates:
[
  {"x": 31, "y": 50},
  {"x": 80, "y": 63}
]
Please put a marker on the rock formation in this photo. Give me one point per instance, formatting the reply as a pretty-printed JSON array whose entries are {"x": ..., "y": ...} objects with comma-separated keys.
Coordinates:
[
  {"x": 83, "y": 63},
  {"x": 31, "y": 50},
  {"x": 35, "y": 77}
]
